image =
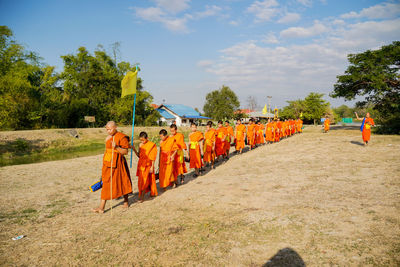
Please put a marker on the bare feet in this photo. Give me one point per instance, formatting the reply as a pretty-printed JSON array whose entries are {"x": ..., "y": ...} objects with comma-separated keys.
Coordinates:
[
  {"x": 98, "y": 210},
  {"x": 126, "y": 205}
]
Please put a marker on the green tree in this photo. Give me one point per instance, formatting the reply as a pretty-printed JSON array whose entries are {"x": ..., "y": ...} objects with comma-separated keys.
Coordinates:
[
  {"x": 24, "y": 84},
  {"x": 293, "y": 110},
  {"x": 221, "y": 104},
  {"x": 315, "y": 107},
  {"x": 344, "y": 111},
  {"x": 375, "y": 75}
]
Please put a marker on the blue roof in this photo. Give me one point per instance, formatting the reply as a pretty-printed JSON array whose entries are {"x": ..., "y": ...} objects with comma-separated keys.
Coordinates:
[
  {"x": 182, "y": 111},
  {"x": 165, "y": 113}
]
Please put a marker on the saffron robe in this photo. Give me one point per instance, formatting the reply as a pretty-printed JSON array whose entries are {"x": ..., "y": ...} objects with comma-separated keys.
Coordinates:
[
  {"x": 167, "y": 148},
  {"x": 240, "y": 130},
  {"x": 121, "y": 178},
  {"x": 209, "y": 142},
  {"x": 146, "y": 180},
  {"x": 179, "y": 162},
  {"x": 194, "y": 150},
  {"x": 366, "y": 133},
  {"x": 269, "y": 136},
  {"x": 260, "y": 134},
  {"x": 228, "y": 138},
  {"x": 326, "y": 125},
  {"x": 221, "y": 134},
  {"x": 251, "y": 135}
]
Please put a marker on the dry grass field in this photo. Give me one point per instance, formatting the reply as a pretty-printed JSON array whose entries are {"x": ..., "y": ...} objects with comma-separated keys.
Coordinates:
[{"x": 314, "y": 199}]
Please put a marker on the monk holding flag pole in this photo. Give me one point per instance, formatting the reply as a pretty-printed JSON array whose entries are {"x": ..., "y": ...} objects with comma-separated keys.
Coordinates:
[{"x": 115, "y": 172}]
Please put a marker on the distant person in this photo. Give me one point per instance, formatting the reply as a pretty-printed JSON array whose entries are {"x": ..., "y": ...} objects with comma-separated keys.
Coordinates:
[
  {"x": 327, "y": 122},
  {"x": 228, "y": 138},
  {"x": 269, "y": 132},
  {"x": 221, "y": 134},
  {"x": 260, "y": 133},
  {"x": 179, "y": 169},
  {"x": 367, "y": 123},
  {"x": 117, "y": 145},
  {"x": 168, "y": 150},
  {"x": 196, "y": 149},
  {"x": 145, "y": 168},
  {"x": 251, "y": 134},
  {"x": 209, "y": 145},
  {"x": 240, "y": 132}
]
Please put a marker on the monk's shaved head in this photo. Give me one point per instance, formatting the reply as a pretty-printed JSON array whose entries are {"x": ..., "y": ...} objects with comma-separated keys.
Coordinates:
[{"x": 111, "y": 124}]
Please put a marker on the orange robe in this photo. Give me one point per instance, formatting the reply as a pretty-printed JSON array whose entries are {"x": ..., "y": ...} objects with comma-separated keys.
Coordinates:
[
  {"x": 260, "y": 134},
  {"x": 167, "y": 148},
  {"x": 121, "y": 179},
  {"x": 179, "y": 162},
  {"x": 146, "y": 180},
  {"x": 326, "y": 124},
  {"x": 194, "y": 150},
  {"x": 278, "y": 131},
  {"x": 209, "y": 141},
  {"x": 251, "y": 135},
  {"x": 299, "y": 126},
  {"x": 221, "y": 134},
  {"x": 240, "y": 130},
  {"x": 269, "y": 137},
  {"x": 228, "y": 138},
  {"x": 366, "y": 133}
]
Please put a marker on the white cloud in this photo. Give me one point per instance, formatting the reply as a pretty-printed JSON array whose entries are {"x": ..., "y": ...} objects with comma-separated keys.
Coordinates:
[
  {"x": 208, "y": 12},
  {"x": 292, "y": 71},
  {"x": 289, "y": 18},
  {"x": 381, "y": 11},
  {"x": 166, "y": 10},
  {"x": 263, "y": 10},
  {"x": 234, "y": 22},
  {"x": 300, "y": 32},
  {"x": 305, "y": 2},
  {"x": 173, "y": 6},
  {"x": 205, "y": 63},
  {"x": 270, "y": 38}
]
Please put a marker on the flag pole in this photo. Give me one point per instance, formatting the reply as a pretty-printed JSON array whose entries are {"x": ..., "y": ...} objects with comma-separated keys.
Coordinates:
[
  {"x": 112, "y": 160},
  {"x": 133, "y": 126}
]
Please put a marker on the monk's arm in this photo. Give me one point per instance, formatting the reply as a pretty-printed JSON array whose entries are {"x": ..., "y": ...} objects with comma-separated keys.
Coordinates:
[
  {"x": 359, "y": 119},
  {"x": 201, "y": 148}
]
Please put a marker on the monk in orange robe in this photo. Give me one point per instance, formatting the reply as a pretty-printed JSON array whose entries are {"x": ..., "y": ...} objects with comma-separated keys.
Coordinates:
[
  {"x": 269, "y": 132},
  {"x": 145, "y": 169},
  {"x": 196, "y": 149},
  {"x": 260, "y": 133},
  {"x": 285, "y": 126},
  {"x": 251, "y": 134},
  {"x": 221, "y": 133},
  {"x": 168, "y": 151},
  {"x": 299, "y": 125},
  {"x": 209, "y": 145},
  {"x": 327, "y": 122},
  {"x": 117, "y": 145},
  {"x": 229, "y": 137},
  {"x": 240, "y": 131},
  {"x": 179, "y": 162},
  {"x": 366, "y": 130},
  {"x": 278, "y": 130}
]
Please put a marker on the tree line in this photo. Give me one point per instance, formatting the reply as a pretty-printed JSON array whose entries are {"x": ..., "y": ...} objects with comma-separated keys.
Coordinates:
[{"x": 33, "y": 95}]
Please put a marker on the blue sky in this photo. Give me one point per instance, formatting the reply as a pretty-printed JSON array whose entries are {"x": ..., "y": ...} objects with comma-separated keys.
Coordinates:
[{"x": 187, "y": 48}]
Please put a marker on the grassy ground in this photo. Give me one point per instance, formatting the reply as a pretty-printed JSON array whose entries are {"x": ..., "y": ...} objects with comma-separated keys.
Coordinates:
[
  {"x": 22, "y": 147},
  {"x": 315, "y": 199}
]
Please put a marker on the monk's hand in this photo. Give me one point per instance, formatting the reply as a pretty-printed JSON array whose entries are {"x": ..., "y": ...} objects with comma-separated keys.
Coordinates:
[
  {"x": 151, "y": 170},
  {"x": 172, "y": 157},
  {"x": 113, "y": 145}
]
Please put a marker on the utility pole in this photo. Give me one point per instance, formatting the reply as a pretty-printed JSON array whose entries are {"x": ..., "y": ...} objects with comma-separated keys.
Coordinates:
[{"x": 269, "y": 103}]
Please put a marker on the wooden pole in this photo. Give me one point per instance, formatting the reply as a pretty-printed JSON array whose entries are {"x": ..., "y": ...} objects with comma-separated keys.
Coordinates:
[
  {"x": 133, "y": 126},
  {"x": 112, "y": 161}
]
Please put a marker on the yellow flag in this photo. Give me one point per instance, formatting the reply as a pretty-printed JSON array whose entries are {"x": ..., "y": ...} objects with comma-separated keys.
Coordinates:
[
  {"x": 264, "y": 111},
  {"x": 301, "y": 115},
  {"x": 128, "y": 83}
]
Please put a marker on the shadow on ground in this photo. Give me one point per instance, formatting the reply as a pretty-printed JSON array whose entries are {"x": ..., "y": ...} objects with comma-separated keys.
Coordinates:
[
  {"x": 285, "y": 257},
  {"x": 357, "y": 143}
]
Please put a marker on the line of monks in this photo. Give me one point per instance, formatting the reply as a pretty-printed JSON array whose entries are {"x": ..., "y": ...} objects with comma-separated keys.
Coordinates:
[{"x": 202, "y": 151}]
